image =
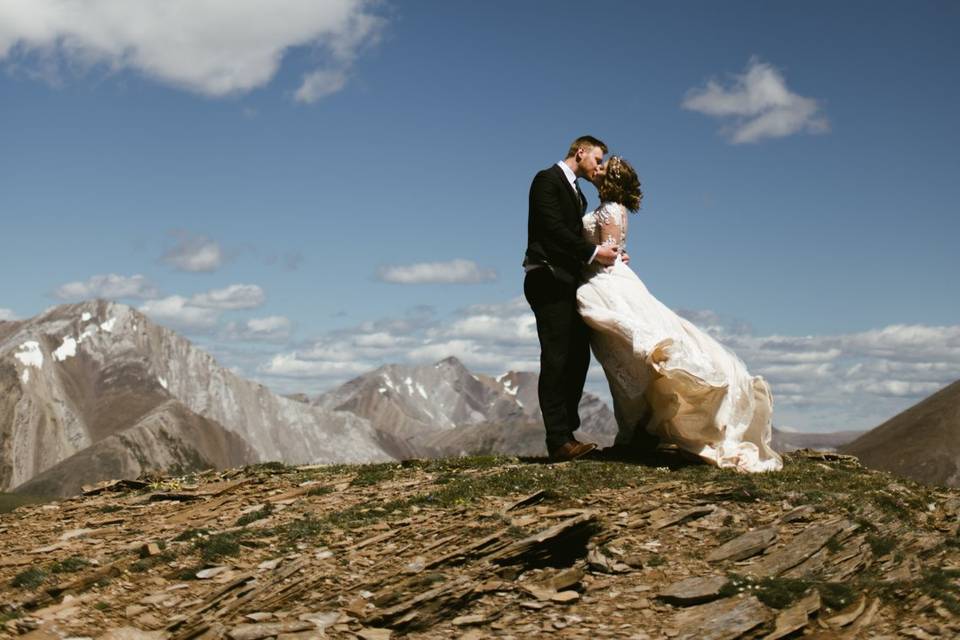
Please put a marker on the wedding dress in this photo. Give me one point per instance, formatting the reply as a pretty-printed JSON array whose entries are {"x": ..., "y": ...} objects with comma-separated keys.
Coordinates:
[{"x": 667, "y": 376}]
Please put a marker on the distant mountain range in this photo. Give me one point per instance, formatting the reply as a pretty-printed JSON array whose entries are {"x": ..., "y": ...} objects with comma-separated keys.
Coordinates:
[
  {"x": 786, "y": 441},
  {"x": 95, "y": 390},
  {"x": 922, "y": 443}
]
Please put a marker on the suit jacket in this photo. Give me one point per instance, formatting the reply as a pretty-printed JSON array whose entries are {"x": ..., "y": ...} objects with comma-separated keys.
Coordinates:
[{"x": 555, "y": 228}]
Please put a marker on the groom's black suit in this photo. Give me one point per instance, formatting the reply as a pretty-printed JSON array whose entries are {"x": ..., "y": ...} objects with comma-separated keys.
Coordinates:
[{"x": 558, "y": 251}]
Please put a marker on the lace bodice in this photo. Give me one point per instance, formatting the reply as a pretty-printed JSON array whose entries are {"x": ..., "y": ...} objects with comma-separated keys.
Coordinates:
[{"x": 607, "y": 225}]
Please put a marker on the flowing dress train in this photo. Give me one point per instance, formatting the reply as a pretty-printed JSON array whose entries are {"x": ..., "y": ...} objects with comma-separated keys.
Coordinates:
[{"x": 667, "y": 376}]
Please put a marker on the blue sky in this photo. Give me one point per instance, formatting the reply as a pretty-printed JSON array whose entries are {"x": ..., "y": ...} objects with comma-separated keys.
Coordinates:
[{"x": 289, "y": 183}]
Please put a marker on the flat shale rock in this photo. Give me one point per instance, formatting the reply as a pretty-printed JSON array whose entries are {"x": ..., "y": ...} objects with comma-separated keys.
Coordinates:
[
  {"x": 749, "y": 544},
  {"x": 267, "y": 629},
  {"x": 721, "y": 620},
  {"x": 797, "y": 550},
  {"x": 669, "y": 520},
  {"x": 694, "y": 590},
  {"x": 795, "y": 617},
  {"x": 131, "y": 633}
]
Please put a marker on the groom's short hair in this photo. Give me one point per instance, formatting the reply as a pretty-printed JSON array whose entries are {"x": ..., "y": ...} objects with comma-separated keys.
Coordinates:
[{"x": 585, "y": 141}]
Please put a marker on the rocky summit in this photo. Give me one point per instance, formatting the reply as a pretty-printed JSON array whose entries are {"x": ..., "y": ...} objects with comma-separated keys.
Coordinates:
[{"x": 489, "y": 547}]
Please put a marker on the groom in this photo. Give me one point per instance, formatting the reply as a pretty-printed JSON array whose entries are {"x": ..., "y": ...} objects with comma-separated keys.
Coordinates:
[{"x": 556, "y": 254}]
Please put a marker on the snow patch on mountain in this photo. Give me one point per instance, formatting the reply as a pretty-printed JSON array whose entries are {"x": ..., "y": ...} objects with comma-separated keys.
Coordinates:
[
  {"x": 66, "y": 350},
  {"x": 30, "y": 354}
]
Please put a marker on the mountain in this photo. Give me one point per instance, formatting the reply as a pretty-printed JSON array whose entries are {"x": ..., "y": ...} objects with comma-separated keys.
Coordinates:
[
  {"x": 444, "y": 409},
  {"x": 921, "y": 443},
  {"x": 170, "y": 437},
  {"x": 78, "y": 374},
  {"x": 785, "y": 441}
]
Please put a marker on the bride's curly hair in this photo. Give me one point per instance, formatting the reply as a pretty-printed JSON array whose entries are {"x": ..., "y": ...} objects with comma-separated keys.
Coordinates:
[{"x": 621, "y": 184}]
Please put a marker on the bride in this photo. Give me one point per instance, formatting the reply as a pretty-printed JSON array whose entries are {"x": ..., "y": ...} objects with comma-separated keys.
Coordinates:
[{"x": 669, "y": 380}]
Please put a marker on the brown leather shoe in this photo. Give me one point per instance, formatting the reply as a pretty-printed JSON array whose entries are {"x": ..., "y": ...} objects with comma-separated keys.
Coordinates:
[{"x": 571, "y": 451}]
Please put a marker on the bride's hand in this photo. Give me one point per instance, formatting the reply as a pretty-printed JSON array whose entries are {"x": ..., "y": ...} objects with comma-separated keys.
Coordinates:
[{"x": 606, "y": 255}]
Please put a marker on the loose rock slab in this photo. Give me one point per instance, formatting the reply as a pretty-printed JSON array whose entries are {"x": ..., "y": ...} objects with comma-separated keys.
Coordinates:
[
  {"x": 722, "y": 620},
  {"x": 740, "y": 548},
  {"x": 267, "y": 629},
  {"x": 800, "y": 548},
  {"x": 679, "y": 518},
  {"x": 795, "y": 617},
  {"x": 695, "y": 590}
]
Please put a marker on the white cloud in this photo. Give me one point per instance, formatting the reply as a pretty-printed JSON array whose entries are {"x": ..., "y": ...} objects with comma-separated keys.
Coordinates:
[
  {"x": 757, "y": 105},
  {"x": 498, "y": 329},
  {"x": 178, "y": 313},
  {"x": 211, "y": 47},
  {"x": 194, "y": 253},
  {"x": 268, "y": 329},
  {"x": 235, "y": 296},
  {"x": 454, "y": 271},
  {"x": 290, "y": 366},
  {"x": 320, "y": 84},
  {"x": 894, "y": 388},
  {"x": 7, "y": 314},
  {"x": 820, "y": 383},
  {"x": 487, "y": 338},
  {"x": 110, "y": 286}
]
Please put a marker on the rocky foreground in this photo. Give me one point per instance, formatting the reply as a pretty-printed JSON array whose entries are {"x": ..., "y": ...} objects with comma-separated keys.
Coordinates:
[{"x": 489, "y": 547}]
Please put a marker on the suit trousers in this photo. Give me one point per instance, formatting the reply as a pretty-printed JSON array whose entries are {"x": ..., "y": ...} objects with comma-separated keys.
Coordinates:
[{"x": 564, "y": 353}]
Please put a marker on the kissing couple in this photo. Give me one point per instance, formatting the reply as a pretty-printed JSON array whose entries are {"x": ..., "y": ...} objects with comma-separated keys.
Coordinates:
[{"x": 672, "y": 384}]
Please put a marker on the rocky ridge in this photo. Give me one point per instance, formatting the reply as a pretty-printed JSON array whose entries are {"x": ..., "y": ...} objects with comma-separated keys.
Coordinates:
[{"x": 489, "y": 547}]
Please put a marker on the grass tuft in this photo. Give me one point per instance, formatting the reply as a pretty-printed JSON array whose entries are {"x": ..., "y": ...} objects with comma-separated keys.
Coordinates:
[
  {"x": 372, "y": 474},
  {"x": 263, "y": 512},
  {"x": 217, "y": 546},
  {"x": 69, "y": 565},
  {"x": 881, "y": 545},
  {"x": 191, "y": 534},
  {"x": 943, "y": 585},
  {"x": 29, "y": 579}
]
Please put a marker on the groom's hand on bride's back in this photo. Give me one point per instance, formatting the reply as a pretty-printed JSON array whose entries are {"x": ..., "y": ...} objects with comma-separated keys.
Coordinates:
[{"x": 606, "y": 255}]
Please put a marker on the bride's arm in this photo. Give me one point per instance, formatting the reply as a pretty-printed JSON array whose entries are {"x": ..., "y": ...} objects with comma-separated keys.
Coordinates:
[{"x": 612, "y": 232}]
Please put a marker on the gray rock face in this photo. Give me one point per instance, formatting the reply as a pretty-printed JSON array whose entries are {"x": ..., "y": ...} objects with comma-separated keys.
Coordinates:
[
  {"x": 171, "y": 438},
  {"x": 80, "y": 373}
]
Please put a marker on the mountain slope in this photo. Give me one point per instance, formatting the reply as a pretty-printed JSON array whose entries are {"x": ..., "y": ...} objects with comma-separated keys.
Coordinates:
[
  {"x": 922, "y": 443},
  {"x": 171, "y": 438},
  {"x": 78, "y": 374}
]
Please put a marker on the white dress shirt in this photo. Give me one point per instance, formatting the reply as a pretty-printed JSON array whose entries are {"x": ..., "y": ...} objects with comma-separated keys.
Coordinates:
[{"x": 572, "y": 178}]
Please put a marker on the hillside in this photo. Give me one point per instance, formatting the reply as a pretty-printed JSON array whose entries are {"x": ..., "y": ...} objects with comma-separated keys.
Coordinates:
[
  {"x": 921, "y": 443},
  {"x": 489, "y": 547}
]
